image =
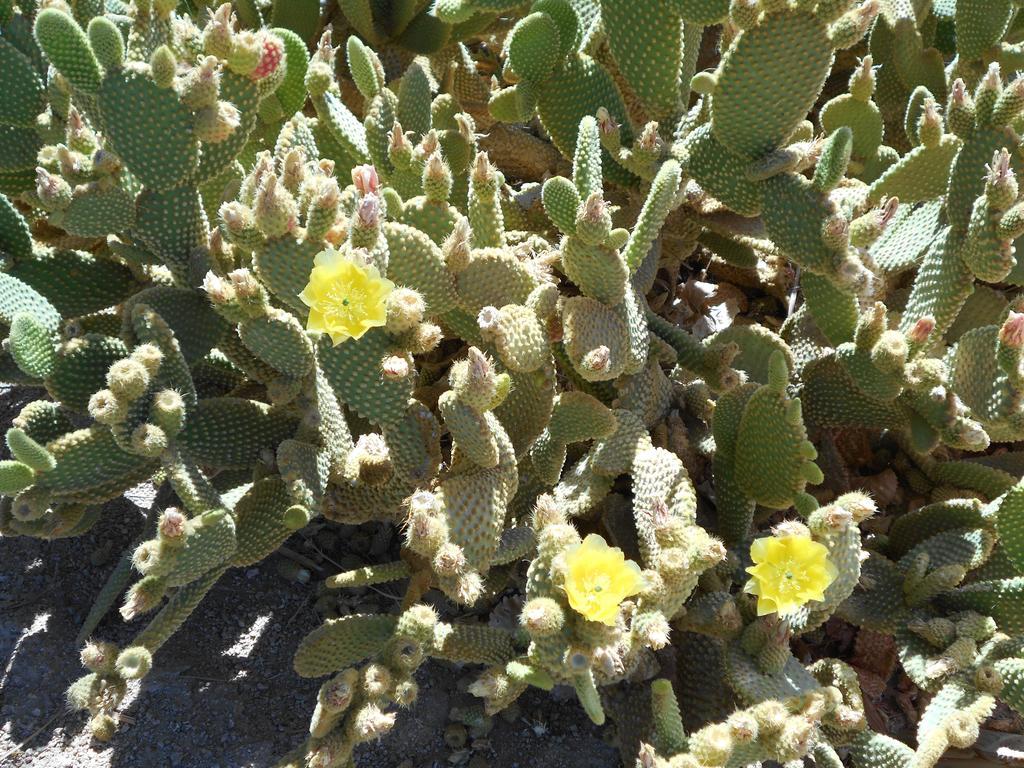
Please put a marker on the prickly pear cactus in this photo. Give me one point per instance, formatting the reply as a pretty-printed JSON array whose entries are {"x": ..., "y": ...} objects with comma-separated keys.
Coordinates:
[{"x": 689, "y": 349}]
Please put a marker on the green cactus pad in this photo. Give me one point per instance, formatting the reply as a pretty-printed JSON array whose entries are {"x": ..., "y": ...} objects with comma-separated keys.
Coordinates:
[
  {"x": 231, "y": 432},
  {"x": 283, "y": 264},
  {"x": 754, "y": 109},
  {"x": 340, "y": 642},
  {"x": 140, "y": 117},
  {"x": 22, "y": 87},
  {"x": 77, "y": 283},
  {"x": 91, "y": 468},
  {"x": 353, "y": 370},
  {"x": 415, "y": 261},
  {"x": 67, "y": 47},
  {"x": 646, "y": 41}
]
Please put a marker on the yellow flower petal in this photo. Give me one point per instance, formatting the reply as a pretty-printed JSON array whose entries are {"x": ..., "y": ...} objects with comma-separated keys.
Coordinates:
[
  {"x": 345, "y": 298},
  {"x": 598, "y": 578},
  {"x": 789, "y": 572}
]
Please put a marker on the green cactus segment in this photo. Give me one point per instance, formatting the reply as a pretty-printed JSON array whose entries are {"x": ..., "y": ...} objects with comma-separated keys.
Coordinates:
[
  {"x": 231, "y": 433},
  {"x": 23, "y": 89},
  {"x": 197, "y": 328},
  {"x": 793, "y": 215},
  {"x": 284, "y": 264},
  {"x": 873, "y": 750},
  {"x": 978, "y": 378},
  {"x": 1010, "y": 525},
  {"x": 793, "y": 42},
  {"x": 80, "y": 369},
  {"x": 980, "y": 25},
  {"x": 98, "y": 213},
  {"x": 244, "y": 95},
  {"x": 181, "y": 605},
  {"x": 209, "y": 542},
  {"x": 280, "y": 342},
  {"x": 578, "y": 88},
  {"x": 833, "y": 309},
  {"x": 906, "y": 239},
  {"x": 91, "y": 468},
  {"x": 967, "y": 177},
  {"x": 704, "y": 12},
  {"x": 76, "y": 283},
  {"x": 341, "y": 642},
  {"x": 646, "y": 41},
  {"x": 291, "y": 93},
  {"x": 17, "y": 296},
  {"x": 652, "y": 217},
  {"x": 919, "y": 175},
  {"x": 139, "y": 116},
  {"x": 722, "y": 173},
  {"x": 774, "y": 460},
  {"x": 1001, "y": 599},
  {"x": 15, "y": 239},
  {"x": 67, "y": 47},
  {"x": 353, "y": 369},
  {"x": 415, "y": 261},
  {"x": 862, "y": 117},
  {"x": 31, "y": 346},
  {"x": 172, "y": 225},
  {"x": 14, "y": 477},
  {"x": 344, "y": 127},
  {"x": 942, "y": 286},
  {"x": 533, "y": 47}
]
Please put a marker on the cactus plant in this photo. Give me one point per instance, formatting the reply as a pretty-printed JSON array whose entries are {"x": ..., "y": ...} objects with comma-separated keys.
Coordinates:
[{"x": 438, "y": 271}]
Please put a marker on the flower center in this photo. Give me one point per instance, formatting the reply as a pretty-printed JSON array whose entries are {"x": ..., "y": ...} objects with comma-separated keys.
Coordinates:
[
  {"x": 341, "y": 304},
  {"x": 789, "y": 578},
  {"x": 594, "y": 584}
]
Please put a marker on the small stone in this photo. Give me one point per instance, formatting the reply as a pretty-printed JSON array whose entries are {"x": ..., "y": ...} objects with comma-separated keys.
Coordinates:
[{"x": 455, "y": 735}]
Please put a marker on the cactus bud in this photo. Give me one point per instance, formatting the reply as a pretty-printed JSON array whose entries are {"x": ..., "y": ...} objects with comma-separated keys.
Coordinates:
[
  {"x": 246, "y": 53},
  {"x": 218, "y": 34},
  {"x": 456, "y": 248},
  {"x": 276, "y": 212},
  {"x": 143, "y": 596},
  {"x": 400, "y": 149},
  {"x": 171, "y": 525},
  {"x": 405, "y": 310},
  {"x": 148, "y": 440},
  {"x": 594, "y": 222},
  {"x": 437, "y": 178},
  {"x": 371, "y": 723},
  {"x": 929, "y": 125},
  {"x": 365, "y": 179},
  {"x": 53, "y": 192},
  {"x": 134, "y": 663},
  {"x": 163, "y": 66},
  {"x": 862, "y": 81},
  {"x": 201, "y": 86},
  {"x": 319, "y": 78},
  {"x": 1011, "y": 334},
  {"x": 99, "y": 657},
  {"x": 216, "y": 123},
  {"x": 395, "y": 368},
  {"x": 106, "y": 408},
  {"x": 102, "y": 726},
  {"x": 271, "y": 55},
  {"x": 542, "y": 617},
  {"x": 128, "y": 379},
  {"x": 369, "y": 461}
]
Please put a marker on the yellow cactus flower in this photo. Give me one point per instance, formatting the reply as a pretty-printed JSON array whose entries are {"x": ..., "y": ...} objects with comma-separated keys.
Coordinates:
[
  {"x": 788, "y": 572},
  {"x": 598, "y": 578},
  {"x": 345, "y": 299}
]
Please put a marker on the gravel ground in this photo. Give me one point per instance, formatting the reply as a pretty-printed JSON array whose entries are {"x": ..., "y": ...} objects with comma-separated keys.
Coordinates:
[{"x": 222, "y": 692}]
